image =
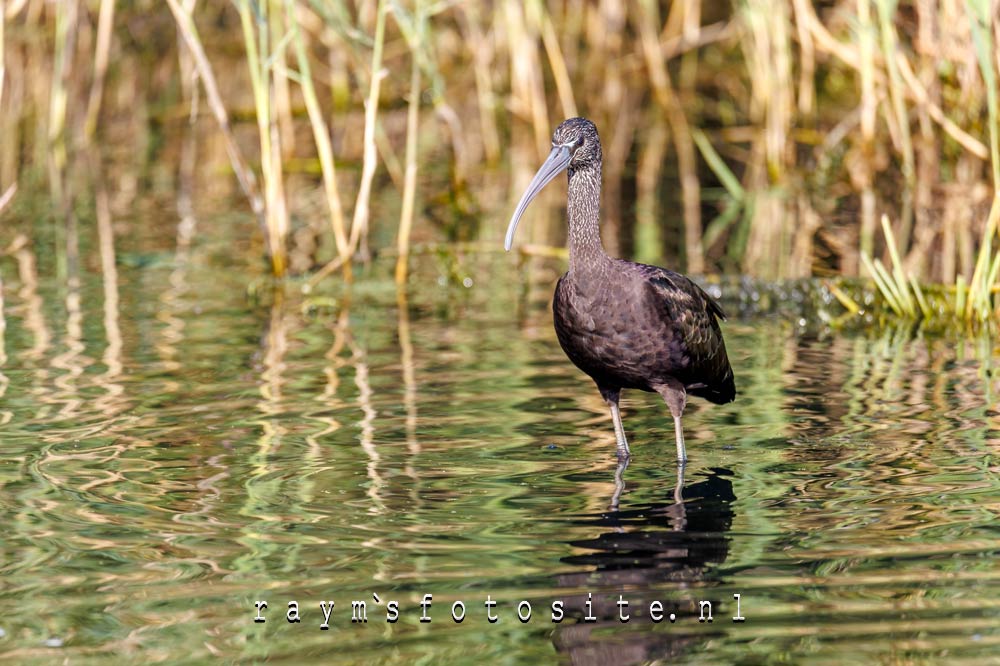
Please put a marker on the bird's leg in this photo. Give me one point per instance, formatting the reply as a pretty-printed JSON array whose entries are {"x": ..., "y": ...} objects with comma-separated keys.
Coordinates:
[
  {"x": 619, "y": 482},
  {"x": 679, "y": 512},
  {"x": 676, "y": 398},
  {"x": 623, "y": 450},
  {"x": 679, "y": 488},
  {"x": 611, "y": 397},
  {"x": 679, "y": 437}
]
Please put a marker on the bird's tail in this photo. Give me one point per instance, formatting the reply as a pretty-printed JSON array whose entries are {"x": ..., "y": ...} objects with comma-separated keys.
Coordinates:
[{"x": 719, "y": 392}]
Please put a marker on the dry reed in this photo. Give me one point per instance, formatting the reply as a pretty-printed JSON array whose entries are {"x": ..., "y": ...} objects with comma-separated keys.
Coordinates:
[
  {"x": 189, "y": 33},
  {"x": 258, "y": 40},
  {"x": 791, "y": 127},
  {"x": 416, "y": 36},
  {"x": 362, "y": 212},
  {"x": 321, "y": 136},
  {"x": 102, "y": 54},
  {"x": 7, "y": 196}
]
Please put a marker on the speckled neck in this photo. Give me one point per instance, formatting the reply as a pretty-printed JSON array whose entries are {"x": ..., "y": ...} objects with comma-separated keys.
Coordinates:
[{"x": 586, "y": 254}]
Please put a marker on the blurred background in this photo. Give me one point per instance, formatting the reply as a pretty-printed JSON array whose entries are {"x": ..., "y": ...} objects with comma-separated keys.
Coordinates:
[{"x": 758, "y": 137}]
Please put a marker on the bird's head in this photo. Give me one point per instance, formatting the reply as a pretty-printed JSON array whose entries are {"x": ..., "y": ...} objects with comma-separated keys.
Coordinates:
[
  {"x": 579, "y": 136},
  {"x": 575, "y": 145}
]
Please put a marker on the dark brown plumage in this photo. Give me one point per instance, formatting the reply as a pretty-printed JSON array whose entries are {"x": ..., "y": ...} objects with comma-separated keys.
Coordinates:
[{"x": 627, "y": 325}]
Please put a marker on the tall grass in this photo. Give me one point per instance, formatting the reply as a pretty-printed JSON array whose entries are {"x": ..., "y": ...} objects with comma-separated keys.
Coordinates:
[
  {"x": 192, "y": 41},
  {"x": 765, "y": 136},
  {"x": 7, "y": 195},
  {"x": 102, "y": 55},
  {"x": 984, "y": 277},
  {"x": 416, "y": 36},
  {"x": 321, "y": 135},
  {"x": 65, "y": 48},
  {"x": 362, "y": 210},
  {"x": 261, "y": 50}
]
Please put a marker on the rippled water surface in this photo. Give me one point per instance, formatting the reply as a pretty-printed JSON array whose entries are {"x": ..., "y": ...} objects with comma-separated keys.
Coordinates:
[{"x": 175, "y": 450}]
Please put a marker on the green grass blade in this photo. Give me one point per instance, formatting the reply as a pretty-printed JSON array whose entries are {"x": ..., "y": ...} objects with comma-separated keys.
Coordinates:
[
  {"x": 898, "y": 276},
  {"x": 890, "y": 282},
  {"x": 880, "y": 282},
  {"x": 925, "y": 308},
  {"x": 718, "y": 165}
]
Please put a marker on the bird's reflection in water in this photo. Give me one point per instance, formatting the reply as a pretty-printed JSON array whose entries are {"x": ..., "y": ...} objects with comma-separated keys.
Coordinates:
[{"x": 646, "y": 553}]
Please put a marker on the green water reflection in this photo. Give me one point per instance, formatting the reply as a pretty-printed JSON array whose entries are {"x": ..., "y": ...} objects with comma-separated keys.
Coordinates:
[{"x": 173, "y": 459}]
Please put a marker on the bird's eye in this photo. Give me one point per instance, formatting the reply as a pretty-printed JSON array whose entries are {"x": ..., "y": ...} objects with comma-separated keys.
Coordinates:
[{"x": 577, "y": 142}]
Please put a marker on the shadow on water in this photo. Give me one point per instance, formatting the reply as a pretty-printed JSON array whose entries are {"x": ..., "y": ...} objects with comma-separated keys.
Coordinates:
[{"x": 666, "y": 544}]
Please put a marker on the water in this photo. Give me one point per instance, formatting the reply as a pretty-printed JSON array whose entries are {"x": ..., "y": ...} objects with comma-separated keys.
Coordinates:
[{"x": 176, "y": 450}]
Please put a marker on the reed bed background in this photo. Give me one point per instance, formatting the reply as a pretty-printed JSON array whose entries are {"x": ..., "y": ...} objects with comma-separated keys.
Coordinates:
[{"x": 772, "y": 138}]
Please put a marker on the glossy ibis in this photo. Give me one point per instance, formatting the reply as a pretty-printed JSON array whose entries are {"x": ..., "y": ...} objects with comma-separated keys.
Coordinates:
[{"x": 627, "y": 325}]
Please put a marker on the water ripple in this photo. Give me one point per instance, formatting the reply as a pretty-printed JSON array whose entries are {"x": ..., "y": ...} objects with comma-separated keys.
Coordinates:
[{"x": 222, "y": 451}]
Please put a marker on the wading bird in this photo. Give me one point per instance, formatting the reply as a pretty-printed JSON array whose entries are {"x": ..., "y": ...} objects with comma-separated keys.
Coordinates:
[{"x": 627, "y": 325}]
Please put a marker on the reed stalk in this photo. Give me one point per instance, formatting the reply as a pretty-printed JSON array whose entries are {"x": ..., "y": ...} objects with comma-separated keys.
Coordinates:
[
  {"x": 767, "y": 51},
  {"x": 564, "y": 87},
  {"x": 7, "y": 196},
  {"x": 102, "y": 54},
  {"x": 883, "y": 282},
  {"x": 807, "y": 60},
  {"x": 65, "y": 43},
  {"x": 259, "y": 53},
  {"x": 899, "y": 279},
  {"x": 410, "y": 182},
  {"x": 680, "y": 132},
  {"x": 901, "y": 292},
  {"x": 362, "y": 213},
  {"x": 280, "y": 88},
  {"x": 687, "y": 76},
  {"x": 648, "y": 241},
  {"x": 887, "y": 31},
  {"x": 390, "y": 160},
  {"x": 245, "y": 176},
  {"x": 919, "y": 95},
  {"x": 982, "y": 39},
  {"x": 527, "y": 92},
  {"x": 869, "y": 109},
  {"x": 414, "y": 28},
  {"x": 984, "y": 276},
  {"x": 482, "y": 57},
  {"x": 616, "y": 115},
  {"x": 899, "y": 112},
  {"x": 978, "y": 304},
  {"x": 321, "y": 136}
]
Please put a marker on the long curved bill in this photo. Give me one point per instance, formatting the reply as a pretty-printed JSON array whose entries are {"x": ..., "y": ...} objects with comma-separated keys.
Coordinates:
[{"x": 554, "y": 164}]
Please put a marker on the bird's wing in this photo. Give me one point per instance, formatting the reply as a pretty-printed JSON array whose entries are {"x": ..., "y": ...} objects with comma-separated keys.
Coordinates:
[
  {"x": 692, "y": 313},
  {"x": 693, "y": 318}
]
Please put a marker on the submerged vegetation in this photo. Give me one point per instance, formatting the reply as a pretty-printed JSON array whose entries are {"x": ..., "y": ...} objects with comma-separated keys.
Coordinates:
[{"x": 764, "y": 137}]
